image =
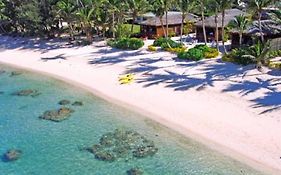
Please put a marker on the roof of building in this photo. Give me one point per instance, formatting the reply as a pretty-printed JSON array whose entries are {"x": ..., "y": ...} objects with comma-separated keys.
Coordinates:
[
  {"x": 229, "y": 16},
  {"x": 269, "y": 27},
  {"x": 174, "y": 18}
]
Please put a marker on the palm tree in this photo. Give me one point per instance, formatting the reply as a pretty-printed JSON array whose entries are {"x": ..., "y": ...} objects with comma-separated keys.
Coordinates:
[
  {"x": 185, "y": 6},
  {"x": 259, "y": 54},
  {"x": 66, "y": 9},
  {"x": 257, "y": 7},
  {"x": 113, "y": 9},
  {"x": 85, "y": 16},
  {"x": 159, "y": 11},
  {"x": 167, "y": 5},
  {"x": 138, "y": 7},
  {"x": 224, "y": 4},
  {"x": 202, "y": 6},
  {"x": 214, "y": 7},
  {"x": 240, "y": 23}
]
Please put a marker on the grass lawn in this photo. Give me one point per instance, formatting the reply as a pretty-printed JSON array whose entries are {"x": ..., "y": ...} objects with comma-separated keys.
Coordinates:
[{"x": 136, "y": 28}]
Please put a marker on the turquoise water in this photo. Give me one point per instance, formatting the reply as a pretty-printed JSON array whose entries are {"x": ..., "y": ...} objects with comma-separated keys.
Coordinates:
[{"x": 51, "y": 148}]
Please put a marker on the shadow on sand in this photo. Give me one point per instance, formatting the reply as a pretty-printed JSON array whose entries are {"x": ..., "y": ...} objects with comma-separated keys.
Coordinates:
[{"x": 175, "y": 74}]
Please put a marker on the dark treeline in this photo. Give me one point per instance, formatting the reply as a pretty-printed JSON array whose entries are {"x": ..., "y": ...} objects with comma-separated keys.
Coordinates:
[{"x": 52, "y": 18}]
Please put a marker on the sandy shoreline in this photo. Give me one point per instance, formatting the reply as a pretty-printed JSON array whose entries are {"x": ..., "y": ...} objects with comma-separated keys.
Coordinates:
[{"x": 211, "y": 113}]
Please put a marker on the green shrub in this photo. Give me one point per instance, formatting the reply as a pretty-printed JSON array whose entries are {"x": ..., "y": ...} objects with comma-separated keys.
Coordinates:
[
  {"x": 273, "y": 54},
  {"x": 208, "y": 52},
  {"x": 202, "y": 47},
  {"x": 123, "y": 31},
  {"x": 126, "y": 43},
  {"x": 176, "y": 49},
  {"x": 211, "y": 53},
  {"x": 236, "y": 56},
  {"x": 182, "y": 55},
  {"x": 152, "y": 48},
  {"x": 111, "y": 43},
  {"x": 192, "y": 54},
  {"x": 159, "y": 41},
  {"x": 166, "y": 43},
  {"x": 274, "y": 65}
]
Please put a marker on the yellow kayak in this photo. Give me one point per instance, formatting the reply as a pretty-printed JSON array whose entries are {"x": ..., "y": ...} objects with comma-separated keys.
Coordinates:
[
  {"x": 127, "y": 76},
  {"x": 126, "y": 79}
]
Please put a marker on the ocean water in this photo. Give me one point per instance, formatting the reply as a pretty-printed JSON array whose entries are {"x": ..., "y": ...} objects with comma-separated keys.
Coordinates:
[{"x": 54, "y": 148}]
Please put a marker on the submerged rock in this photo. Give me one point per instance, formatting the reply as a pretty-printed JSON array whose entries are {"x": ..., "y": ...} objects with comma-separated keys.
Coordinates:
[
  {"x": 105, "y": 156},
  {"x": 77, "y": 103},
  {"x": 57, "y": 115},
  {"x": 135, "y": 171},
  {"x": 64, "y": 102},
  {"x": 123, "y": 144},
  {"x": 2, "y": 72},
  {"x": 27, "y": 92},
  {"x": 1, "y": 92},
  {"x": 12, "y": 155},
  {"x": 15, "y": 73}
]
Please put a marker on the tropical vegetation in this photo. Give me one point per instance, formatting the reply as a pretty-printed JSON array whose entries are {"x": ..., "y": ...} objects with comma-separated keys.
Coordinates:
[{"x": 82, "y": 19}]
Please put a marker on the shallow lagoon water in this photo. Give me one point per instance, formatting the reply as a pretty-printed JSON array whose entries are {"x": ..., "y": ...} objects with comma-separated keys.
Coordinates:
[{"x": 51, "y": 148}]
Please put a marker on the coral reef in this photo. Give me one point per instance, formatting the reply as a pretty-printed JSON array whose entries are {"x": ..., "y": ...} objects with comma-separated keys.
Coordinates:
[
  {"x": 12, "y": 155},
  {"x": 135, "y": 171},
  {"x": 122, "y": 144},
  {"x": 27, "y": 92},
  {"x": 77, "y": 103},
  {"x": 64, "y": 102},
  {"x": 57, "y": 115}
]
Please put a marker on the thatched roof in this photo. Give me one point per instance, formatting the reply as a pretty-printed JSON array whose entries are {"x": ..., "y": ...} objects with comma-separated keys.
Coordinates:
[
  {"x": 229, "y": 16},
  {"x": 174, "y": 18},
  {"x": 269, "y": 28}
]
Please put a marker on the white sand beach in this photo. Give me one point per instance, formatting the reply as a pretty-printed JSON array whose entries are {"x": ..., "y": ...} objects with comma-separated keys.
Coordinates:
[{"x": 235, "y": 110}]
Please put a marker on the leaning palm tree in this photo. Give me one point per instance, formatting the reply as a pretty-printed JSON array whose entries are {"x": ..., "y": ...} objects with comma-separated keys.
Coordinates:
[
  {"x": 137, "y": 7},
  {"x": 259, "y": 54},
  {"x": 240, "y": 23},
  {"x": 257, "y": 6}
]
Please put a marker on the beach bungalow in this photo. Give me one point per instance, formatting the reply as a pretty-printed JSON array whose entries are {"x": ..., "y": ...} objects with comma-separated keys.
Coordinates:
[
  {"x": 151, "y": 26},
  {"x": 270, "y": 30},
  {"x": 211, "y": 25}
]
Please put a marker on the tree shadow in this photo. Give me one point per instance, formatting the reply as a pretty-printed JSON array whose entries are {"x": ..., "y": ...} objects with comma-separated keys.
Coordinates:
[
  {"x": 271, "y": 100},
  {"x": 57, "y": 57},
  {"x": 37, "y": 44},
  {"x": 237, "y": 77},
  {"x": 118, "y": 57}
]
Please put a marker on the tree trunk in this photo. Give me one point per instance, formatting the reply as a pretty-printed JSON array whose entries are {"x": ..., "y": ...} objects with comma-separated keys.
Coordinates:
[
  {"x": 203, "y": 22},
  {"x": 217, "y": 30},
  {"x": 71, "y": 33},
  {"x": 222, "y": 32},
  {"x": 167, "y": 25},
  {"x": 182, "y": 22},
  {"x": 132, "y": 27},
  {"x": 260, "y": 27},
  {"x": 240, "y": 38},
  {"x": 163, "y": 28},
  {"x": 89, "y": 33},
  {"x": 113, "y": 25}
]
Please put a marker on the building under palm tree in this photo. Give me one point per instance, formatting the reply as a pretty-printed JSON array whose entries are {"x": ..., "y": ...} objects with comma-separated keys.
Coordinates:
[
  {"x": 151, "y": 25},
  {"x": 270, "y": 30},
  {"x": 210, "y": 24}
]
